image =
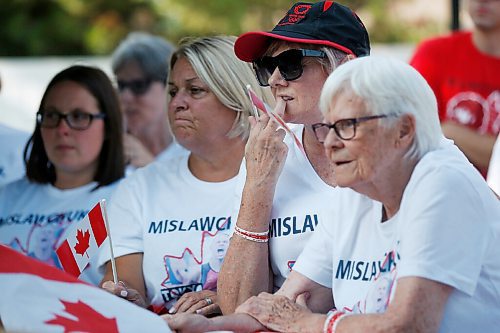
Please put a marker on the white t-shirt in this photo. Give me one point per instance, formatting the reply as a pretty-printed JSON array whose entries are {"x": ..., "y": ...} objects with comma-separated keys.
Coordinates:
[
  {"x": 34, "y": 218},
  {"x": 172, "y": 151},
  {"x": 301, "y": 201},
  {"x": 447, "y": 230},
  {"x": 180, "y": 223},
  {"x": 494, "y": 168},
  {"x": 11, "y": 154}
]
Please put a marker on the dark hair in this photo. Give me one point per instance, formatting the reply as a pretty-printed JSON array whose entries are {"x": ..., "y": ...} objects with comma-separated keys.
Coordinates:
[{"x": 111, "y": 165}]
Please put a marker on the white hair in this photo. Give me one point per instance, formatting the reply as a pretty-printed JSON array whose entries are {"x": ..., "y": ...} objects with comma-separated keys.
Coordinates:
[{"x": 389, "y": 86}]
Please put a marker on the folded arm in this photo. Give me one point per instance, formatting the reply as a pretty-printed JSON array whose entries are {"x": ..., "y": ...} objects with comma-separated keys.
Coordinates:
[
  {"x": 289, "y": 310},
  {"x": 418, "y": 306},
  {"x": 305, "y": 291}
]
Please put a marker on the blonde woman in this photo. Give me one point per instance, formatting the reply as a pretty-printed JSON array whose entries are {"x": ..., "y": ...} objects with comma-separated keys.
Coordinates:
[{"x": 165, "y": 216}]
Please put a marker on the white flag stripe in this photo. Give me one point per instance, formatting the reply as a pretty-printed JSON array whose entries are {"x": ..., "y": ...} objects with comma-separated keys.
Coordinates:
[
  {"x": 83, "y": 228},
  {"x": 45, "y": 299},
  {"x": 82, "y": 241}
]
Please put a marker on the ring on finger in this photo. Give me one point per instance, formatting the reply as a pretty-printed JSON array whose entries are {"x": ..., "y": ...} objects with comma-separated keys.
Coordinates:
[{"x": 208, "y": 300}]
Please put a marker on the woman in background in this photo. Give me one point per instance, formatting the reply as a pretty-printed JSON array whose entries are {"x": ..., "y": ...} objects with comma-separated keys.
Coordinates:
[{"x": 141, "y": 65}]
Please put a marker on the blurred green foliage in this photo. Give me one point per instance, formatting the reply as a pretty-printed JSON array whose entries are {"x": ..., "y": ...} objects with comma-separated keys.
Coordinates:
[{"x": 95, "y": 27}]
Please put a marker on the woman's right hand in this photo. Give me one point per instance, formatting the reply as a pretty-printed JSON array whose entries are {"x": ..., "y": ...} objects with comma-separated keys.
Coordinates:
[
  {"x": 120, "y": 289},
  {"x": 265, "y": 151}
]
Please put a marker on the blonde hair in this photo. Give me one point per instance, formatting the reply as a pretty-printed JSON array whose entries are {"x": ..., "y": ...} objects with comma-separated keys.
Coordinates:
[{"x": 215, "y": 63}]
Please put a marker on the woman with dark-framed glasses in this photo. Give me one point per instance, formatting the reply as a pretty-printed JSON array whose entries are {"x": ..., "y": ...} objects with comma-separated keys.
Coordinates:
[
  {"x": 286, "y": 194},
  {"x": 73, "y": 159},
  {"x": 419, "y": 241}
]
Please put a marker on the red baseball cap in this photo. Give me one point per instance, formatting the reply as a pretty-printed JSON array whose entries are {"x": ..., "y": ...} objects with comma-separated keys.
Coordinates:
[{"x": 323, "y": 23}]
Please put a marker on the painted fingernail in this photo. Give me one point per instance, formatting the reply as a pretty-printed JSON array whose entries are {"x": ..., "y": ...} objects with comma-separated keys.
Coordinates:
[
  {"x": 123, "y": 293},
  {"x": 172, "y": 310}
]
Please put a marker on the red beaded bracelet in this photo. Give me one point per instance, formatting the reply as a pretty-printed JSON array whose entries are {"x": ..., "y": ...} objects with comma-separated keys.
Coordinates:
[
  {"x": 260, "y": 237},
  {"x": 331, "y": 319}
]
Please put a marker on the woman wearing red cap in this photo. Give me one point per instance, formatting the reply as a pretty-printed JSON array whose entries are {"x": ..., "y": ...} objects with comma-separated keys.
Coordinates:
[{"x": 286, "y": 194}]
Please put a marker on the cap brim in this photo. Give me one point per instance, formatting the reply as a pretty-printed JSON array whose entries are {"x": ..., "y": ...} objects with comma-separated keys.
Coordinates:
[{"x": 252, "y": 45}]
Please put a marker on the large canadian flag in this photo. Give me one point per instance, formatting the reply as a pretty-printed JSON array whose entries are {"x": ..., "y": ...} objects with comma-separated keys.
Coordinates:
[
  {"x": 36, "y": 297},
  {"x": 83, "y": 241}
]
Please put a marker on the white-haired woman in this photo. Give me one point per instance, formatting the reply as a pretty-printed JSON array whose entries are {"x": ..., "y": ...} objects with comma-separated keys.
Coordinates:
[
  {"x": 414, "y": 212},
  {"x": 165, "y": 217}
]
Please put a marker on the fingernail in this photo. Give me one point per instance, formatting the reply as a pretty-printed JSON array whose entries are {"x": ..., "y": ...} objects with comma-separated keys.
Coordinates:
[
  {"x": 198, "y": 311},
  {"x": 172, "y": 310},
  {"x": 123, "y": 293}
]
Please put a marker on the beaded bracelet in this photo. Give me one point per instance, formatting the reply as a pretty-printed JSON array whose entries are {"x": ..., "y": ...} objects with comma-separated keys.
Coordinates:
[
  {"x": 338, "y": 320},
  {"x": 331, "y": 320},
  {"x": 264, "y": 234},
  {"x": 257, "y": 239}
]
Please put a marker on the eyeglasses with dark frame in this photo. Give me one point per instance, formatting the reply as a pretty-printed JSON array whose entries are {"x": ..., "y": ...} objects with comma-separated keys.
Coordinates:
[
  {"x": 77, "y": 120},
  {"x": 289, "y": 64},
  {"x": 345, "y": 129},
  {"x": 137, "y": 87}
]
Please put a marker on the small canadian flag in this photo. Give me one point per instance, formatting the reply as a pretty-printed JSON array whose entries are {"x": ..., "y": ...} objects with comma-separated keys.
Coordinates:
[{"x": 83, "y": 241}]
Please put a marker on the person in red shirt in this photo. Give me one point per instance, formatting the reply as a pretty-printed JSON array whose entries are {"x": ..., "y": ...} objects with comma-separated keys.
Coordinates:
[{"x": 463, "y": 69}]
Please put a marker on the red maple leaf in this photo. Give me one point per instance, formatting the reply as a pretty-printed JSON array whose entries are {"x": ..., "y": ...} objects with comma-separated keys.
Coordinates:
[
  {"x": 82, "y": 245},
  {"x": 87, "y": 319}
]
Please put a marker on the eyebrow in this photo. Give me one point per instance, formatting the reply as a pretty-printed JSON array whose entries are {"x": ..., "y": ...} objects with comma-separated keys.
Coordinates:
[
  {"x": 73, "y": 110},
  {"x": 187, "y": 80}
]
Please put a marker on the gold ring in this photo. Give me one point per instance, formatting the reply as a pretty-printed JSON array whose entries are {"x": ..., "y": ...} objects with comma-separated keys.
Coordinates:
[{"x": 208, "y": 300}]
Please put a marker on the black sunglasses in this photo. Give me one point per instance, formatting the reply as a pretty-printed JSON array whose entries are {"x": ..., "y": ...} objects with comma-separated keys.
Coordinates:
[
  {"x": 288, "y": 62},
  {"x": 137, "y": 87},
  {"x": 77, "y": 120}
]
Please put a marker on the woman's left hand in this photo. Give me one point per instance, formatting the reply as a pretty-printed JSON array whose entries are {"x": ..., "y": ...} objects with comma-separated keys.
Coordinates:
[
  {"x": 202, "y": 302},
  {"x": 275, "y": 312}
]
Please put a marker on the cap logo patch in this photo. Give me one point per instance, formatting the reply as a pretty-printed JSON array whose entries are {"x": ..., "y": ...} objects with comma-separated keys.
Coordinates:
[{"x": 297, "y": 14}]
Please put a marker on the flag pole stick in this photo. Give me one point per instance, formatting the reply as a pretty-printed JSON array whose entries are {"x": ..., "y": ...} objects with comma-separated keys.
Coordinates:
[
  {"x": 113, "y": 264},
  {"x": 254, "y": 108}
]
